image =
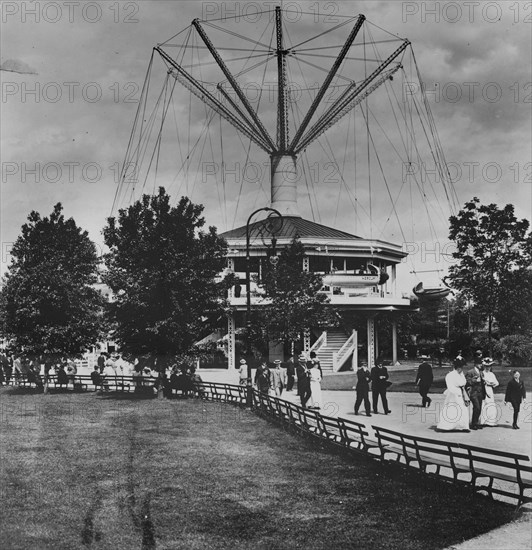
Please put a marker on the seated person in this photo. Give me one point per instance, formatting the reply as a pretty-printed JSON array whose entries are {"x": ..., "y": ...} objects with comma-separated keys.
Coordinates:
[
  {"x": 197, "y": 383},
  {"x": 96, "y": 377},
  {"x": 62, "y": 377}
]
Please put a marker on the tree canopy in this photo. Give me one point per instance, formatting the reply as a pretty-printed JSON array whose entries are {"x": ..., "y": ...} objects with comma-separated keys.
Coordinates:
[
  {"x": 162, "y": 268},
  {"x": 49, "y": 303},
  {"x": 296, "y": 304},
  {"x": 493, "y": 251}
]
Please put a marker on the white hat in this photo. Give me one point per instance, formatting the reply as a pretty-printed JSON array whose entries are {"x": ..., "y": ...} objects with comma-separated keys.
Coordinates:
[
  {"x": 242, "y": 361},
  {"x": 277, "y": 361}
]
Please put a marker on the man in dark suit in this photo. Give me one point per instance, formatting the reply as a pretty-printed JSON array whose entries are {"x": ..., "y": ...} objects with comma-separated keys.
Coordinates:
[
  {"x": 379, "y": 384},
  {"x": 363, "y": 380},
  {"x": 290, "y": 374},
  {"x": 303, "y": 380},
  {"x": 424, "y": 380},
  {"x": 476, "y": 389},
  {"x": 515, "y": 393}
]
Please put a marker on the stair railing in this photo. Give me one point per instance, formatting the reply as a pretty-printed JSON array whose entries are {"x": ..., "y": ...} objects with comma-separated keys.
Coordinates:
[
  {"x": 340, "y": 356},
  {"x": 319, "y": 343}
]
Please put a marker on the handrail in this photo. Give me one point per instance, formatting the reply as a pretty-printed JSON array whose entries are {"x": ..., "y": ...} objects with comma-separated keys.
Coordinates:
[
  {"x": 320, "y": 342},
  {"x": 341, "y": 355}
]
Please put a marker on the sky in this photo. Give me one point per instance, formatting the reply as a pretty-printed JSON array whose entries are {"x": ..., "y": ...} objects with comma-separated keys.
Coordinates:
[{"x": 71, "y": 80}]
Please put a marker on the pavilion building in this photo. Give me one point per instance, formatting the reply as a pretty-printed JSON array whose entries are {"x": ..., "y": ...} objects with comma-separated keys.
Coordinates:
[{"x": 359, "y": 276}]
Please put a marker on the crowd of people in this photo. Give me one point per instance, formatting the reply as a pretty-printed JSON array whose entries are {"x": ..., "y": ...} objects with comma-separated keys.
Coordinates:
[
  {"x": 475, "y": 390},
  {"x": 303, "y": 377},
  {"x": 110, "y": 369},
  {"x": 469, "y": 396}
]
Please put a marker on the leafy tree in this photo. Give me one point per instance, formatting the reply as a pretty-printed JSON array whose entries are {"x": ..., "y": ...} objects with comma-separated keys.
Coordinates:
[
  {"x": 514, "y": 311},
  {"x": 296, "y": 304},
  {"x": 48, "y": 302},
  {"x": 162, "y": 268},
  {"x": 491, "y": 244}
]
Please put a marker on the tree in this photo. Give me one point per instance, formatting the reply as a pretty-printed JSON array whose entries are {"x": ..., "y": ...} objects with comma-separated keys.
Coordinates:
[
  {"x": 162, "y": 269},
  {"x": 296, "y": 304},
  {"x": 491, "y": 245},
  {"x": 514, "y": 311},
  {"x": 48, "y": 302}
]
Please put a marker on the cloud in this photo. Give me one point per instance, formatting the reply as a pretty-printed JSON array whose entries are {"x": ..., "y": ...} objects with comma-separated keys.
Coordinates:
[{"x": 16, "y": 66}]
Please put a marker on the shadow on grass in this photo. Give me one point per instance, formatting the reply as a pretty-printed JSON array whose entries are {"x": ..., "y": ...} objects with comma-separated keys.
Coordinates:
[{"x": 197, "y": 474}]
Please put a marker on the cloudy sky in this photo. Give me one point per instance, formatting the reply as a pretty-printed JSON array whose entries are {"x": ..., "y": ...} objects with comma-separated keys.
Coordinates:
[{"x": 72, "y": 74}]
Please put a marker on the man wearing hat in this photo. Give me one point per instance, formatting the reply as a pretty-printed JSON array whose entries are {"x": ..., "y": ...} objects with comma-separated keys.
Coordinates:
[
  {"x": 243, "y": 373},
  {"x": 476, "y": 388},
  {"x": 278, "y": 377},
  {"x": 290, "y": 373},
  {"x": 424, "y": 380},
  {"x": 303, "y": 380}
]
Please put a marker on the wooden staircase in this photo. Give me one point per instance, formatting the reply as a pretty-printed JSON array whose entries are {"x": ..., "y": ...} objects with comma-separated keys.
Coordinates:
[{"x": 335, "y": 340}]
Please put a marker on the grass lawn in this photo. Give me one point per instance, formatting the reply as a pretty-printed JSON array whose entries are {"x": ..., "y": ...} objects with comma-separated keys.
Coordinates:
[
  {"x": 403, "y": 380},
  {"x": 115, "y": 472}
]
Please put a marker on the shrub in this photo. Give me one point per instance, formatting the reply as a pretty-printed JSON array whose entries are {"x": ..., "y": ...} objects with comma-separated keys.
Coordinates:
[{"x": 516, "y": 349}]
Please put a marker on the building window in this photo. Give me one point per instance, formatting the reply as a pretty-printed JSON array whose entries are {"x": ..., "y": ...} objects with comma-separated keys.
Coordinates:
[
  {"x": 320, "y": 264},
  {"x": 338, "y": 264}
]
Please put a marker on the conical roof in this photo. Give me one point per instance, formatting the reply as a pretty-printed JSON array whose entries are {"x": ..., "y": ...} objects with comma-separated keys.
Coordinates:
[{"x": 292, "y": 226}]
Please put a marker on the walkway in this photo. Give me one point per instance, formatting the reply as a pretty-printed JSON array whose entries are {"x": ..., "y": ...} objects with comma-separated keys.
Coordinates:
[{"x": 409, "y": 417}]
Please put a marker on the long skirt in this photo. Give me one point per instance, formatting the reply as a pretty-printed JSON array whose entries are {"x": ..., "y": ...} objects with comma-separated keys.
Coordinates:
[
  {"x": 315, "y": 393},
  {"x": 454, "y": 414},
  {"x": 489, "y": 414}
]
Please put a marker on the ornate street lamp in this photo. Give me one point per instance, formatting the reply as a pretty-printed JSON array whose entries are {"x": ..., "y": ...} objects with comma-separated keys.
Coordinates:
[{"x": 270, "y": 226}]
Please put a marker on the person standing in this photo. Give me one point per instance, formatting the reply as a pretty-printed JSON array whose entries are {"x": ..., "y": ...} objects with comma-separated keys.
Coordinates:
[
  {"x": 290, "y": 374},
  {"x": 424, "y": 381},
  {"x": 7, "y": 364},
  {"x": 515, "y": 394},
  {"x": 439, "y": 355},
  {"x": 315, "y": 385},
  {"x": 263, "y": 378},
  {"x": 488, "y": 414},
  {"x": 101, "y": 362},
  {"x": 476, "y": 388},
  {"x": 315, "y": 361},
  {"x": 278, "y": 376},
  {"x": 303, "y": 380},
  {"x": 362, "y": 389},
  {"x": 455, "y": 411},
  {"x": 243, "y": 373},
  {"x": 3, "y": 368},
  {"x": 379, "y": 385}
]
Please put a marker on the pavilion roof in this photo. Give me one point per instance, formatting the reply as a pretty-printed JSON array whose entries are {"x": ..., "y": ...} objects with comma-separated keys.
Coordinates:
[{"x": 293, "y": 226}]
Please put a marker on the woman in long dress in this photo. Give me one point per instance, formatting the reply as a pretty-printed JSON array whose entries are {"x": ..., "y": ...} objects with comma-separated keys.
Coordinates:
[
  {"x": 315, "y": 386},
  {"x": 455, "y": 411},
  {"x": 488, "y": 415}
]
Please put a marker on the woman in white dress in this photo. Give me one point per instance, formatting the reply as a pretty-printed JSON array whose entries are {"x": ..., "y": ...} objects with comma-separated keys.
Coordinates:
[
  {"x": 315, "y": 387},
  {"x": 455, "y": 411},
  {"x": 489, "y": 413}
]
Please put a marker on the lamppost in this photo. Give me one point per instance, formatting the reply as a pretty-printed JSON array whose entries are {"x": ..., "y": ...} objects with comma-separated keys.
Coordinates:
[{"x": 268, "y": 226}]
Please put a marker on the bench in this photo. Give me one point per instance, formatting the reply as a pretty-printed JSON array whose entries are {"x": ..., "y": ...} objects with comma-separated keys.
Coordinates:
[
  {"x": 355, "y": 436},
  {"x": 421, "y": 450},
  {"x": 474, "y": 462},
  {"x": 510, "y": 468},
  {"x": 331, "y": 429}
]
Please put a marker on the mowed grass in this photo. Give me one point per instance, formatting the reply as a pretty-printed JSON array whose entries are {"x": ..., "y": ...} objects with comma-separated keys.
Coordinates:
[{"x": 115, "y": 472}]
